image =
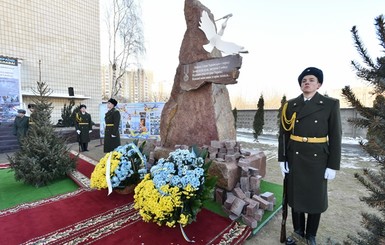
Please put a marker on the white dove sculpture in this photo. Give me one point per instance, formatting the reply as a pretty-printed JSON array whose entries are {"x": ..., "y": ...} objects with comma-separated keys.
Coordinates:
[{"x": 215, "y": 39}]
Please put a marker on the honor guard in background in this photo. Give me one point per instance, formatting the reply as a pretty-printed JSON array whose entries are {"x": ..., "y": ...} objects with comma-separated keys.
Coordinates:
[
  {"x": 83, "y": 126},
  {"x": 20, "y": 125},
  {"x": 309, "y": 152},
  {"x": 111, "y": 132},
  {"x": 31, "y": 108}
]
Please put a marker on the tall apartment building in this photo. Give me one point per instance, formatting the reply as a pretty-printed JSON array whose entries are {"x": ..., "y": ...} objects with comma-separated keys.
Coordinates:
[
  {"x": 136, "y": 85},
  {"x": 138, "y": 82},
  {"x": 65, "y": 37}
]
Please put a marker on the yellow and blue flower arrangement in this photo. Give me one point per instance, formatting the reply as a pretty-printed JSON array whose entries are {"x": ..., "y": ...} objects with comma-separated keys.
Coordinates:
[
  {"x": 124, "y": 166},
  {"x": 175, "y": 189}
]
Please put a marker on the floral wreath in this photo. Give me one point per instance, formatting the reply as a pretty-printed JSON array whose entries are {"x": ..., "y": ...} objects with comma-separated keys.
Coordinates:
[
  {"x": 125, "y": 165},
  {"x": 175, "y": 189}
]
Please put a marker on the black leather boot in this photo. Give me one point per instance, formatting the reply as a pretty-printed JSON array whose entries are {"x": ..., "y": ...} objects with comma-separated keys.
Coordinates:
[
  {"x": 300, "y": 233},
  {"x": 310, "y": 240},
  {"x": 290, "y": 241},
  {"x": 295, "y": 238},
  {"x": 312, "y": 227}
]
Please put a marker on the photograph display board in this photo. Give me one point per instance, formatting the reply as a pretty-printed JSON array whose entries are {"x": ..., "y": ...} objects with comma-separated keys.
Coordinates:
[
  {"x": 138, "y": 120},
  {"x": 10, "y": 97}
]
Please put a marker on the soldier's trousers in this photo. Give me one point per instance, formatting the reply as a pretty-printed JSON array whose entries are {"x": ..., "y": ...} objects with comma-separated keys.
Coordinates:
[
  {"x": 84, "y": 146},
  {"x": 300, "y": 226}
]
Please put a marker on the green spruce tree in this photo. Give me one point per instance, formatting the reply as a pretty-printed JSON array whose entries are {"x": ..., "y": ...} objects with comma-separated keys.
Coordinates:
[
  {"x": 66, "y": 114},
  {"x": 373, "y": 119},
  {"x": 259, "y": 120},
  {"x": 235, "y": 114},
  {"x": 283, "y": 101},
  {"x": 43, "y": 156}
]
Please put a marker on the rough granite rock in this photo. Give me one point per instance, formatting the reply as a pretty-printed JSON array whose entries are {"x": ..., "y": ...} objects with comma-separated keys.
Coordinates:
[{"x": 228, "y": 174}]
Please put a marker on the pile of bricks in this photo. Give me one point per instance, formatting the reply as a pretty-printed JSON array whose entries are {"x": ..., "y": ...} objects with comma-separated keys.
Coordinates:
[
  {"x": 245, "y": 200},
  {"x": 228, "y": 159},
  {"x": 228, "y": 150},
  {"x": 239, "y": 176}
]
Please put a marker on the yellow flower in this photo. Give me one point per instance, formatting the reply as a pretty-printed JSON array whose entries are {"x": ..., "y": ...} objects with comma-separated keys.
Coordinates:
[
  {"x": 170, "y": 224},
  {"x": 183, "y": 219},
  {"x": 98, "y": 176}
]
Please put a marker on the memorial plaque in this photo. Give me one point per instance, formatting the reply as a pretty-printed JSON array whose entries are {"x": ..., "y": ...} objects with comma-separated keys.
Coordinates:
[{"x": 224, "y": 70}]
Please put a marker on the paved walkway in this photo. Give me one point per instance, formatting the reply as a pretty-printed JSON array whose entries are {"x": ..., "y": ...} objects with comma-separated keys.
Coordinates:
[{"x": 95, "y": 151}]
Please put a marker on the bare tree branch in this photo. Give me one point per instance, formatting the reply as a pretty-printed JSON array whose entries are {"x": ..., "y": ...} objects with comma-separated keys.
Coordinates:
[{"x": 126, "y": 39}]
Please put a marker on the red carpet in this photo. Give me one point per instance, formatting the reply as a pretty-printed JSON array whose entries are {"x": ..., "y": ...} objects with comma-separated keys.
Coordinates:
[
  {"x": 56, "y": 214},
  {"x": 85, "y": 167},
  {"x": 91, "y": 217}
]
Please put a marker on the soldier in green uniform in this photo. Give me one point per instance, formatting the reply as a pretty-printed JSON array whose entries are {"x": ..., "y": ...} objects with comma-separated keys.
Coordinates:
[
  {"x": 20, "y": 125},
  {"x": 309, "y": 152},
  {"x": 111, "y": 131},
  {"x": 83, "y": 126}
]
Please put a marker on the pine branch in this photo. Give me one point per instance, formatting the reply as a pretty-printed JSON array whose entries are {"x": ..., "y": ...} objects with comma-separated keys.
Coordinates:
[
  {"x": 374, "y": 225},
  {"x": 359, "y": 122},
  {"x": 374, "y": 183},
  {"x": 380, "y": 26},
  {"x": 362, "y": 51},
  {"x": 362, "y": 72},
  {"x": 354, "y": 102},
  {"x": 376, "y": 151},
  {"x": 375, "y": 75}
]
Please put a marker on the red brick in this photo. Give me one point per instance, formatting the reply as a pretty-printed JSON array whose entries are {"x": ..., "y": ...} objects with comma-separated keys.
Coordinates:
[
  {"x": 250, "y": 221},
  {"x": 239, "y": 193},
  {"x": 262, "y": 202},
  {"x": 237, "y": 206}
]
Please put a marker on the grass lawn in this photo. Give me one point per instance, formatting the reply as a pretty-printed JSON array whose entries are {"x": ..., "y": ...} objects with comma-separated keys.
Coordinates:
[{"x": 13, "y": 193}]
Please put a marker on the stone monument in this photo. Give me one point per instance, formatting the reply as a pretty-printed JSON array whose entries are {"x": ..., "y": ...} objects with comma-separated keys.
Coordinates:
[{"x": 199, "y": 109}]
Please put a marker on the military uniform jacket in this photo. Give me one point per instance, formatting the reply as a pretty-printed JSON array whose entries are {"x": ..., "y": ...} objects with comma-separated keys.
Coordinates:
[
  {"x": 319, "y": 117},
  {"x": 83, "y": 123},
  {"x": 20, "y": 127},
  {"x": 112, "y": 119}
]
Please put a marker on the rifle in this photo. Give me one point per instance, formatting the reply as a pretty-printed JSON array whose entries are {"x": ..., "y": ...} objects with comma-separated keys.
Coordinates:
[
  {"x": 284, "y": 199},
  {"x": 284, "y": 211}
]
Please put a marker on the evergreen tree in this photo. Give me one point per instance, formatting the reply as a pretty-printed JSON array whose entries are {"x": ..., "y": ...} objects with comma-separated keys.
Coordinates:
[
  {"x": 73, "y": 115},
  {"x": 374, "y": 120},
  {"x": 66, "y": 114},
  {"x": 235, "y": 114},
  {"x": 43, "y": 156},
  {"x": 259, "y": 118},
  {"x": 283, "y": 101}
]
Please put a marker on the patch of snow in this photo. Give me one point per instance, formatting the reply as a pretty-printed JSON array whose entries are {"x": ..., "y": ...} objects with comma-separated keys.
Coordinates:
[
  {"x": 270, "y": 134},
  {"x": 352, "y": 155}
]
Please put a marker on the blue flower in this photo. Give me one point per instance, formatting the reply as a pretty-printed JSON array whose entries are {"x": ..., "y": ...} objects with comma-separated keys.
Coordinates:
[
  {"x": 199, "y": 171},
  {"x": 195, "y": 182},
  {"x": 132, "y": 161},
  {"x": 181, "y": 168}
]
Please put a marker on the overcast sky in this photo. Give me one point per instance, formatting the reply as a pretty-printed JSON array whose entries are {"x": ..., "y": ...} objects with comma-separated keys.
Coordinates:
[{"x": 282, "y": 37}]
